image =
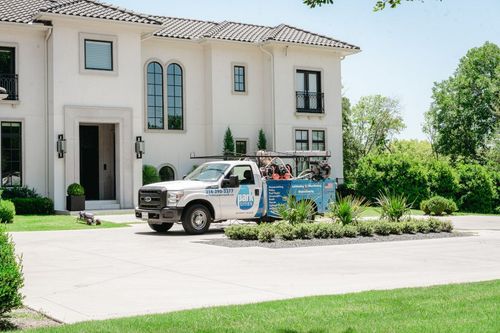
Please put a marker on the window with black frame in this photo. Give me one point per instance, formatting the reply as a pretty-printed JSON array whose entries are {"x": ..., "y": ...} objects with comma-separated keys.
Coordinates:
[
  {"x": 239, "y": 79},
  {"x": 11, "y": 151},
  {"x": 175, "y": 100},
  {"x": 318, "y": 140},
  {"x": 241, "y": 147},
  {"x": 98, "y": 55},
  {"x": 309, "y": 98},
  {"x": 155, "y": 96},
  {"x": 301, "y": 139},
  {"x": 8, "y": 76}
]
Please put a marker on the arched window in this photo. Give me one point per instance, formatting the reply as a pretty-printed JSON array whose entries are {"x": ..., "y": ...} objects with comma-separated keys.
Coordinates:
[
  {"x": 155, "y": 96},
  {"x": 167, "y": 173},
  {"x": 175, "y": 93}
]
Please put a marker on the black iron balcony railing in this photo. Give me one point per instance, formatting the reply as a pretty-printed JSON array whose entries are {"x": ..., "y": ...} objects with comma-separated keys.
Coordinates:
[
  {"x": 309, "y": 102},
  {"x": 10, "y": 83}
]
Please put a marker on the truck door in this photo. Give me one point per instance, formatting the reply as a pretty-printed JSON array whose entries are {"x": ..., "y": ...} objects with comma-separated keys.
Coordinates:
[{"x": 244, "y": 201}]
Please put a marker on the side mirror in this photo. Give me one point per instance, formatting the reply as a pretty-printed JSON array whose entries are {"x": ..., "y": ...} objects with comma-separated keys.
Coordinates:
[
  {"x": 184, "y": 177},
  {"x": 232, "y": 182}
]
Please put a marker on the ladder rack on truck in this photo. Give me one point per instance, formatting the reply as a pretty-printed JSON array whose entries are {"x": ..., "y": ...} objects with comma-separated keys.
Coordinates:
[{"x": 248, "y": 187}]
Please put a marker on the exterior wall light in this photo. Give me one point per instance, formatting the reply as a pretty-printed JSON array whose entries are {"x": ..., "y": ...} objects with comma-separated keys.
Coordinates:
[
  {"x": 61, "y": 146},
  {"x": 140, "y": 147},
  {"x": 3, "y": 93}
]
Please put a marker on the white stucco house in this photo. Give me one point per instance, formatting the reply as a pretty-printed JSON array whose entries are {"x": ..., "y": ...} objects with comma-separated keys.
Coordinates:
[{"x": 86, "y": 80}]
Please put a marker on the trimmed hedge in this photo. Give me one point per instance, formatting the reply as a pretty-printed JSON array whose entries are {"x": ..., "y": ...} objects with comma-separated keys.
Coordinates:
[
  {"x": 7, "y": 211},
  {"x": 324, "y": 230},
  {"x": 34, "y": 206},
  {"x": 11, "y": 277},
  {"x": 19, "y": 192},
  {"x": 477, "y": 191},
  {"x": 438, "y": 205}
]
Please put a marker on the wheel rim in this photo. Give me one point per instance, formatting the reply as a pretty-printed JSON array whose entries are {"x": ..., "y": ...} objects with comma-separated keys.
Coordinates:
[{"x": 199, "y": 219}]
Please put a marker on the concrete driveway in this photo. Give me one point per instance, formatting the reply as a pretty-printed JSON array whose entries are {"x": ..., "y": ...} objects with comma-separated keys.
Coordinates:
[{"x": 97, "y": 274}]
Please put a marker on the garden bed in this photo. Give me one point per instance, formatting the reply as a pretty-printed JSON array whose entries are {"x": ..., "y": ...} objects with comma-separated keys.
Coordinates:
[{"x": 281, "y": 244}]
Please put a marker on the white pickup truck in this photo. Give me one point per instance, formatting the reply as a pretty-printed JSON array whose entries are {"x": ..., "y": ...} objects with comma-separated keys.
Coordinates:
[{"x": 225, "y": 190}]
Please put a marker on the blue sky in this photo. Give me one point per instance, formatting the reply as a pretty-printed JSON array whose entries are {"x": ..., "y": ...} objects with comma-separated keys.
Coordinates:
[{"x": 405, "y": 50}]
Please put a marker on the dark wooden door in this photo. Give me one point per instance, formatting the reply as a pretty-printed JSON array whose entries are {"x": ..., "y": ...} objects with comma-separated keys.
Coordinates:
[{"x": 89, "y": 161}]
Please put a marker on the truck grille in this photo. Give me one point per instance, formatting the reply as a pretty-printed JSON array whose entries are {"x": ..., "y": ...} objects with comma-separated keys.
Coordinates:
[{"x": 152, "y": 199}]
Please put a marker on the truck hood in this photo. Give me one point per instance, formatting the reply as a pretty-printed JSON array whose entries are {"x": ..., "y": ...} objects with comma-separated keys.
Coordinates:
[{"x": 179, "y": 185}]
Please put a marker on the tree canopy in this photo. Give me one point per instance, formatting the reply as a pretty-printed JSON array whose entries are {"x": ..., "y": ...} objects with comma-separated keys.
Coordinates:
[
  {"x": 463, "y": 121},
  {"x": 379, "y": 4}
]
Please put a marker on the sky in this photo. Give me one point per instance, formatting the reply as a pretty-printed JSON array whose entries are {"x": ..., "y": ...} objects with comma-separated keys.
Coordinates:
[{"x": 404, "y": 50}]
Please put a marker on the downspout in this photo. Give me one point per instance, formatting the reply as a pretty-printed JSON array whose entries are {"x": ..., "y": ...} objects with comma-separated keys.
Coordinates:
[
  {"x": 47, "y": 122},
  {"x": 273, "y": 104}
]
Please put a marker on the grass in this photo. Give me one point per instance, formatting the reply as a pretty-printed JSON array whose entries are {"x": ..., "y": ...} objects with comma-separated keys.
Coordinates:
[
  {"x": 375, "y": 212},
  {"x": 456, "y": 308},
  {"x": 53, "y": 222}
]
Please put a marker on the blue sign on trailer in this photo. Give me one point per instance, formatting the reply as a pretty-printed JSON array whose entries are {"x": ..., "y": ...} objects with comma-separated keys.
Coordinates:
[{"x": 321, "y": 192}]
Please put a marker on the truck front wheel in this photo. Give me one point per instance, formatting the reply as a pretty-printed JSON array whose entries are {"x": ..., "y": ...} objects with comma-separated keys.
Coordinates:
[
  {"x": 196, "y": 220},
  {"x": 164, "y": 227}
]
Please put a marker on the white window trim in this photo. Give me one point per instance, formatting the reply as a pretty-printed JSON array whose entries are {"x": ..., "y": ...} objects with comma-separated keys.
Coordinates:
[
  {"x": 16, "y": 47},
  {"x": 99, "y": 37},
  {"x": 245, "y": 66}
]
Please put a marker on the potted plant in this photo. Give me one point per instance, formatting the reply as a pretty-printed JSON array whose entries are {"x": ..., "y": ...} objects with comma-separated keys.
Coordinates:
[{"x": 75, "y": 200}]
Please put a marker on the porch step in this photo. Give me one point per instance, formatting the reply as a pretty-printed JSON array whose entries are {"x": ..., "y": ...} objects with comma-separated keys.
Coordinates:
[{"x": 102, "y": 205}]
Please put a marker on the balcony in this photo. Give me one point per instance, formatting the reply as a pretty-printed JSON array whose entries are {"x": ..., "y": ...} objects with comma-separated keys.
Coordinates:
[
  {"x": 10, "y": 83},
  {"x": 309, "y": 102}
]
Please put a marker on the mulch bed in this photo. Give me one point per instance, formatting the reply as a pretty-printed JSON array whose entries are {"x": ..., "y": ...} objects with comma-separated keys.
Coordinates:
[
  {"x": 279, "y": 244},
  {"x": 26, "y": 318}
]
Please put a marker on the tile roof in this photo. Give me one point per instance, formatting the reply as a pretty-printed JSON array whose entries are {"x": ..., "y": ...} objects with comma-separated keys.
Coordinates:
[
  {"x": 242, "y": 32},
  {"x": 26, "y": 11}
]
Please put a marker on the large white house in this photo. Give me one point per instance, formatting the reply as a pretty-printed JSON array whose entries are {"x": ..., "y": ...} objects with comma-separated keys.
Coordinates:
[{"x": 86, "y": 80}]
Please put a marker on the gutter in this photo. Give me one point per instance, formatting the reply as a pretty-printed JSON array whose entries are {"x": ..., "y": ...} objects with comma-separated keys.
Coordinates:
[
  {"x": 46, "y": 114},
  {"x": 273, "y": 104}
]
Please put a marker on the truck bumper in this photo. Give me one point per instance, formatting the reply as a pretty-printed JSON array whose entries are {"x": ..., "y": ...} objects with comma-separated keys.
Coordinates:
[{"x": 165, "y": 215}]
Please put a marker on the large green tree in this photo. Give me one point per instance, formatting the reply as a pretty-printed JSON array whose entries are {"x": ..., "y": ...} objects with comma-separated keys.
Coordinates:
[
  {"x": 463, "y": 120},
  {"x": 379, "y": 4},
  {"x": 351, "y": 147},
  {"x": 375, "y": 120}
]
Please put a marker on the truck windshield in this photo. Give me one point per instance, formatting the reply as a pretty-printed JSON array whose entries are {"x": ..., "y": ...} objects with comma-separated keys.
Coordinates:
[{"x": 208, "y": 172}]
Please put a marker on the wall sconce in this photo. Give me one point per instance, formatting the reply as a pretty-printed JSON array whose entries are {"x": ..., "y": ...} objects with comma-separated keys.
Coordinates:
[
  {"x": 140, "y": 147},
  {"x": 61, "y": 146},
  {"x": 3, "y": 93}
]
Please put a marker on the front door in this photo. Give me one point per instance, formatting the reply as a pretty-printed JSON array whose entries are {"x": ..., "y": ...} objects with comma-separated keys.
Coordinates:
[
  {"x": 244, "y": 201},
  {"x": 89, "y": 161}
]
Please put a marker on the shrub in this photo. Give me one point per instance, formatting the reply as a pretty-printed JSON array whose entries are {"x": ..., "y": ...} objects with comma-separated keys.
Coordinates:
[
  {"x": 19, "y": 192},
  {"x": 365, "y": 229},
  {"x": 337, "y": 231},
  {"x": 382, "y": 228},
  {"x": 398, "y": 173},
  {"x": 395, "y": 228},
  {"x": 394, "y": 206},
  {"x": 347, "y": 209},
  {"x": 476, "y": 191},
  {"x": 304, "y": 231},
  {"x": 76, "y": 190},
  {"x": 446, "y": 226},
  {"x": 497, "y": 210},
  {"x": 286, "y": 232},
  {"x": 11, "y": 277},
  {"x": 350, "y": 231},
  {"x": 409, "y": 227},
  {"x": 149, "y": 175},
  {"x": 266, "y": 234},
  {"x": 442, "y": 178},
  {"x": 438, "y": 205},
  {"x": 34, "y": 206},
  {"x": 434, "y": 225},
  {"x": 423, "y": 227},
  {"x": 296, "y": 212},
  {"x": 242, "y": 232},
  {"x": 323, "y": 230},
  {"x": 7, "y": 211}
]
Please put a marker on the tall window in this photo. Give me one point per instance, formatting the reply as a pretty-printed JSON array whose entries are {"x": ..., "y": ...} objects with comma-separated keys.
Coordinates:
[
  {"x": 239, "y": 78},
  {"x": 175, "y": 97},
  {"x": 308, "y": 91},
  {"x": 241, "y": 147},
  {"x": 318, "y": 140},
  {"x": 8, "y": 77},
  {"x": 98, "y": 55},
  {"x": 301, "y": 140},
  {"x": 11, "y": 138},
  {"x": 155, "y": 96}
]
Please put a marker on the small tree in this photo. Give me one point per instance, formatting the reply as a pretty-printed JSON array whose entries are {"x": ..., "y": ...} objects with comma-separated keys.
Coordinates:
[
  {"x": 262, "y": 142},
  {"x": 228, "y": 143}
]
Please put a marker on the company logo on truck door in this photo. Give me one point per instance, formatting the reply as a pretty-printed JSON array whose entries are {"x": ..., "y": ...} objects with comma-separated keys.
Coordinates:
[{"x": 244, "y": 199}]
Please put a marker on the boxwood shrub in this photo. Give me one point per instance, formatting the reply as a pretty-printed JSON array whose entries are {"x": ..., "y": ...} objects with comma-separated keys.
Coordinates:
[
  {"x": 33, "y": 206},
  {"x": 11, "y": 277},
  {"x": 7, "y": 211},
  {"x": 438, "y": 205}
]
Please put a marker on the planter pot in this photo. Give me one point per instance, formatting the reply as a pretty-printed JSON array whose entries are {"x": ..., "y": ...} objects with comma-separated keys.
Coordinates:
[{"x": 75, "y": 203}]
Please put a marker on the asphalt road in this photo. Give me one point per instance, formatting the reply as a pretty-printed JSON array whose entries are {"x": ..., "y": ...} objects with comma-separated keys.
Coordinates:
[{"x": 96, "y": 274}]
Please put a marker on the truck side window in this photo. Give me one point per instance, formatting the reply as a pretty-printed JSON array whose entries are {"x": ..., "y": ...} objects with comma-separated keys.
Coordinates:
[{"x": 244, "y": 173}]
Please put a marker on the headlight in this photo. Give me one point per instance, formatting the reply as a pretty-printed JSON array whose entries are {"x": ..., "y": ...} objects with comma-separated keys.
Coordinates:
[{"x": 174, "y": 197}]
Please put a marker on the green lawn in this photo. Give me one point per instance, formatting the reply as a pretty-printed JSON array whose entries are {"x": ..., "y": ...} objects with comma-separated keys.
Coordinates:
[
  {"x": 375, "y": 212},
  {"x": 452, "y": 308},
  {"x": 53, "y": 222}
]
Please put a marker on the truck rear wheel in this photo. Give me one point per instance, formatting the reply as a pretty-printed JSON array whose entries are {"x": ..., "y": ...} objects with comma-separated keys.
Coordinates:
[
  {"x": 164, "y": 227},
  {"x": 196, "y": 220}
]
